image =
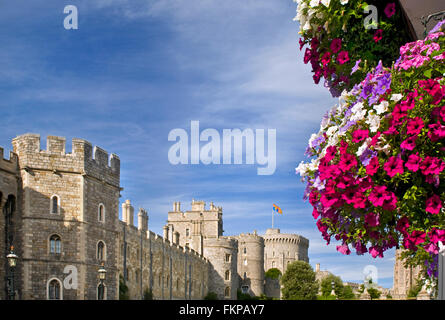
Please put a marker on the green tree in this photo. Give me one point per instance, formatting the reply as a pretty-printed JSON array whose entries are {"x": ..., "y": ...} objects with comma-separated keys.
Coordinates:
[
  {"x": 415, "y": 289},
  {"x": 123, "y": 289},
  {"x": 347, "y": 293},
  {"x": 148, "y": 294},
  {"x": 374, "y": 293},
  {"x": 299, "y": 282},
  {"x": 273, "y": 273},
  {"x": 211, "y": 296},
  {"x": 326, "y": 286}
]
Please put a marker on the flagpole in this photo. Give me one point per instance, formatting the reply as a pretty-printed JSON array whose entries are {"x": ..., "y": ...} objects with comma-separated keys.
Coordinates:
[{"x": 272, "y": 218}]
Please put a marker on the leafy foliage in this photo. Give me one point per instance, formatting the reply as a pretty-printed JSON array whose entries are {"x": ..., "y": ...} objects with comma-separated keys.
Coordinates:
[
  {"x": 299, "y": 282},
  {"x": 273, "y": 273}
]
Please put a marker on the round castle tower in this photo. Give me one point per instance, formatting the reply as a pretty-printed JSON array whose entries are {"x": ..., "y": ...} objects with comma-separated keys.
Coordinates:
[
  {"x": 222, "y": 253},
  {"x": 280, "y": 249},
  {"x": 251, "y": 263}
]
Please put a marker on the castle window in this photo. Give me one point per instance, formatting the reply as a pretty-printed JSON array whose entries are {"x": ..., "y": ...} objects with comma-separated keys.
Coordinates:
[
  {"x": 245, "y": 250},
  {"x": 245, "y": 262},
  {"x": 54, "y": 290},
  {"x": 187, "y": 232},
  {"x": 273, "y": 264},
  {"x": 227, "y": 292},
  {"x": 55, "y": 244},
  {"x": 101, "y": 251},
  {"x": 227, "y": 257},
  {"x": 55, "y": 205},
  {"x": 227, "y": 275},
  {"x": 101, "y": 213}
]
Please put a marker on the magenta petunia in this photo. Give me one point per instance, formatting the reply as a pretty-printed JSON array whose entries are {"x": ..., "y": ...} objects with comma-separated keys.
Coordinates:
[
  {"x": 414, "y": 126},
  {"x": 347, "y": 161},
  {"x": 344, "y": 249},
  {"x": 373, "y": 166},
  {"x": 336, "y": 45},
  {"x": 378, "y": 35},
  {"x": 359, "y": 135},
  {"x": 378, "y": 196},
  {"x": 436, "y": 235},
  {"x": 390, "y": 9},
  {"x": 433, "y": 204},
  {"x": 343, "y": 57},
  {"x": 393, "y": 166},
  {"x": 432, "y": 165},
  {"x": 413, "y": 162},
  {"x": 409, "y": 143},
  {"x": 372, "y": 219}
]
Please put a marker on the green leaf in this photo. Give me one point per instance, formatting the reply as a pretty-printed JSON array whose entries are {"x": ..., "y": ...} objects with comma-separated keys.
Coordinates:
[{"x": 427, "y": 73}]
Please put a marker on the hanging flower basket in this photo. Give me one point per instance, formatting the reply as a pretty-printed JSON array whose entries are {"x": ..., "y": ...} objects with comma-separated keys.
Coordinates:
[
  {"x": 376, "y": 178},
  {"x": 343, "y": 41}
]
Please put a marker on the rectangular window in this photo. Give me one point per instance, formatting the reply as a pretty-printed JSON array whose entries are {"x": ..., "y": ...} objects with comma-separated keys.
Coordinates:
[{"x": 227, "y": 257}]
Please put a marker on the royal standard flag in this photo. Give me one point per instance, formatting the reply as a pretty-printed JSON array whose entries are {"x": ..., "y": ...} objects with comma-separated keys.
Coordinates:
[{"x": 277, "y": 209}]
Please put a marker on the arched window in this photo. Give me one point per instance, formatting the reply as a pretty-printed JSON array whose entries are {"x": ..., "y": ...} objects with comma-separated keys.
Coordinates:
[
  {"x": 101, "y": 213},
  {"x": 227, "y": 292},
  {"x": 54, "y": 289},
  {"x": 273, "y": 264},
  {"x": 101, "y": 251},
  {"x": 227, "y": 275},
  {"x": 55, "y": 244},
  {"x": 245, "y": 250},
  {"x": 245, "y": 262},
  {"x": 55, "y": 205}
]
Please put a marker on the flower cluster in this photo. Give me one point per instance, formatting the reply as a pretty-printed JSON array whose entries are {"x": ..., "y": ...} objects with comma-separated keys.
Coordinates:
[
  {"x": 376, "y": 180},
  {"x": 341, "y": 45}
]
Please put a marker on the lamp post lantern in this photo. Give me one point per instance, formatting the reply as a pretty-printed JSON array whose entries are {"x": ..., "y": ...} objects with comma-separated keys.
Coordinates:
[
  {"x": 102, "y": 276},
  {"x": 333, "y": 288},
  {"x": 12, "y": 262}
]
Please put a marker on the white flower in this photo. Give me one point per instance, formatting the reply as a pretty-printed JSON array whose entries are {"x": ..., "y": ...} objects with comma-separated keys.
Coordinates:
[
  {"x": 373, "y": 121},
  {"x": 307, "y": 26},
  {"x": 396, "y": 97},
  {"x": 361, "y": 149},
  {"x": 319, "y": 15},
  {"x": 381, "y": 107},
  {"x": 333, "y": 140},
  {"x": 343, "y": 2},
  {"x": 313, "y": 166},
  {"x": 357, "y": 107},
  {"x": 331, "y": 130},
  {"x": 314, "y": 3},
  {"x": 302, "y": 169},
  {"x": 326, "y": 2}
]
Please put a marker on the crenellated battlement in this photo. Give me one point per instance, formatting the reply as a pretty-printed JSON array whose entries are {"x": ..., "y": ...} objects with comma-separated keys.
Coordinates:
[
  {"x": 10, "y": 165},
  {"x": 83, "y": 159}
]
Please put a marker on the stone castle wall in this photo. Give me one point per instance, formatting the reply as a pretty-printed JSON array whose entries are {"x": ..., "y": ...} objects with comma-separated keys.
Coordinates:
[
  {"x": 155, "y": 264},
  {"x": 404, "y": 277},
  {"x": 9, "y": 182}
]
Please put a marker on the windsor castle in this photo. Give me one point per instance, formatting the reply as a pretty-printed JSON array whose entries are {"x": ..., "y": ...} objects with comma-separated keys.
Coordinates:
[{"x": 60, "y": 216}]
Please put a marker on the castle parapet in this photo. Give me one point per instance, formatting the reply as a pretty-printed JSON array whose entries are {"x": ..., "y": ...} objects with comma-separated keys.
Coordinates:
[
  {"x": 9, "y": 165},
  {"x": 83, "y": 158}
]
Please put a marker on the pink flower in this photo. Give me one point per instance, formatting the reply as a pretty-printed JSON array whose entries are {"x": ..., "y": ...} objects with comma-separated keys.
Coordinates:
[
  {"x": 433, "y": 204},
  {"x": 301, "y": 43},
  {"x": 315, "y": 214},
  {"x": 336, "y": 45},
  {"x": 376, "y": 251},
  {"x": 343, "y": 57},
  {"x": 344, "y": 249},
  {"x": 413, "y": 162},
  {"x": 432, "y": 165},
  {"x": 329, "y": 199},
  {"x": 409, "y": 144},
  {"x": 360, "y": 248},
  {"x": 390, "y": 201},
  {"x": 436, "y": 235},
  {"x": 373, "y": 166},
  {"x": 372, "y": 219},
  {"x": 378, "y": 35},
  {"x": 307, "y": 55},
  {"x": 359, "y": 135},
  {"x": 326, "y": 58},
  {"x": 432, "y": 248},
  {"x": 393, "y": 166},
  {"x": 436, "y": 132},
  {"x": 414, "y": 126},
  {"x": 390, "y": 9},
  {"x": 331, "y": 151},
  {"x": 347, "y": 161},
  {"x": 402, "y": 225},
  {"x": 378, "y": 195}
]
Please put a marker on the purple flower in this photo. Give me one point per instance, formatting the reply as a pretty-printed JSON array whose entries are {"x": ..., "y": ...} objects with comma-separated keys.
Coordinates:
[
  {"x": 438, "y": 27},
  {"x": 318, "y": 141},
  {"x": 356, "y": 66},
  {"x": 367, "y": 155},
  {"x": 347, "y": 125}
]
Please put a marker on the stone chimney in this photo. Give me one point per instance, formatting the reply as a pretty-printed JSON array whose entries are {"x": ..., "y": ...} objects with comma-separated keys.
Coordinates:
[
  {"x": 317, "y": 267},
  {"x": 128, "y": 213}
]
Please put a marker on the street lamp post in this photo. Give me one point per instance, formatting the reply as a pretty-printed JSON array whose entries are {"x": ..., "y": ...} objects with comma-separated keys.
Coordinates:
[
  {"x": 333, "y": 287},
  {"x": 12, "y": 261},
  {"x": 102, "y": 275}
]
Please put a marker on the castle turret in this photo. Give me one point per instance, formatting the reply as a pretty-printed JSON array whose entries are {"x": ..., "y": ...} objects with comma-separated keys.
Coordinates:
[
  {"x": 251, "y": 263},
  {"x": 128, "y": 213},
  {"x": 142, "y": 220}
]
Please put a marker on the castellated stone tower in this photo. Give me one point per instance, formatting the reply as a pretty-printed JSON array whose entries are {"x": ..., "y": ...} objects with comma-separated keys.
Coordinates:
[
  {"x": 195, "y": 225},
  {"x": 69, "y": 213},
  {"x": 251, "y": 263},
  {"x": 280, "y": 249},
  {"x": 222, "y": 254}
]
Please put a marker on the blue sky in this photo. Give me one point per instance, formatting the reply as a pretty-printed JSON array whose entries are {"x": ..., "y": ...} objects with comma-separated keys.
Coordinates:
[{"x": 136, "y": 69}]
